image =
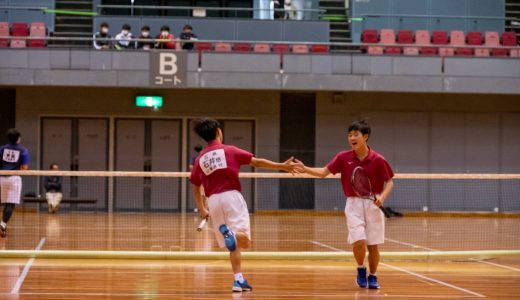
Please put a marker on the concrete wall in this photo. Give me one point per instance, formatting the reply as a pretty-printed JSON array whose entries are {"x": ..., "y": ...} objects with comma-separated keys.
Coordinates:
[{"x": 341, "y": 72}]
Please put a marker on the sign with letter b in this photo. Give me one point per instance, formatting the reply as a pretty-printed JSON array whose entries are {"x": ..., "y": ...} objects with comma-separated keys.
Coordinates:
[{"x": 168, "y": 69}]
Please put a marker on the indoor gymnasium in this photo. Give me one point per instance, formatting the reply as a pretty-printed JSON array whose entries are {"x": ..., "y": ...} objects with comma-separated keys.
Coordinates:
[{"x": 259, "y": 149}]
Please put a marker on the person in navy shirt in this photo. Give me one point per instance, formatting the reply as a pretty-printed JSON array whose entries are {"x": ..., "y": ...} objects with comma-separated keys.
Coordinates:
[{"x": 12, "y": 157}]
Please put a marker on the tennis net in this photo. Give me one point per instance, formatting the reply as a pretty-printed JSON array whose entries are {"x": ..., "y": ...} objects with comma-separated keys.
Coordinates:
[{"x": 155, "y": 212}]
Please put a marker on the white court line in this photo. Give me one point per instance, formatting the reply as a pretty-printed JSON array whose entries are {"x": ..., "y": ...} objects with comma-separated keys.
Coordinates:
[
  {"x": 411, "y": 245},
  {"x": 28, "y": 265},
  {"x": 472, "y": 259},
  {"x": 496, "y": 265},
  {"x": 412, "y": 273},
  {"x": 434, "y": 280}
]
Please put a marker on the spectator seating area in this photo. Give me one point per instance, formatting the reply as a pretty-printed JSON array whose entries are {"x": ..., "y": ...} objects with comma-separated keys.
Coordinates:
[
  {"x": 497, "y": 45},
  {"x": 19, "y": 31},
  {"x": 260, "y": 47}
]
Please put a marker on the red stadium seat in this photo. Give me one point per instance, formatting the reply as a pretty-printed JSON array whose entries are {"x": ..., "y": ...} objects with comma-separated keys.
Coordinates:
[
  {"x": 241, "y": 47},
  {"x": 37, "y": 30},
  {"x": 475, "y": 39},
  {"x": 262, "y": 48},
  {"x": 458, "y": 38},
  {"x": 203, "y": 46},
  {"x": 492, "y": 39},
  {"x": 280, "y": 48},
  {"x": 406, "y": 37},
  {"x": 388, "y": 37},
  {"x": 509, "y": 39},
  {"x": 4, "y": 31},
  {"x": 19, "y": 29},
  {"x": 441, "y": 38},
  {"x": 422, "y": 38},
  {"x": 222, "y": 47},
  {"x": 300, "y": 48},
  {"x": 370, "y": 36},
  {"x": 319, "y": 48}
]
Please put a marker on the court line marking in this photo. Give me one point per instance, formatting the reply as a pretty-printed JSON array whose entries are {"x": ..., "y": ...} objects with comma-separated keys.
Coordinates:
[
  {"x": 411, "y": 245},
  {"x": 496, "y": 265},
  {"x": 28, "y": 265},
  {"x": 471, "y": 259},
  {"x": 414, "y": 274},
  {"x": 434, "y": 280},
  {"x": 291, "y": 295}
]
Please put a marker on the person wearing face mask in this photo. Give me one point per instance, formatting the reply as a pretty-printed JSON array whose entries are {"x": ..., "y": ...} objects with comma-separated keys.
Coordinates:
[
  {"x": 187, "y": 34},
  {"x": 290, "y": 10},
  {"x": 124, "y": 39},
  {"x": 146, "y": 41},
  {"x": 167, "y": 39},
  {"x": 102, "y": 38}
]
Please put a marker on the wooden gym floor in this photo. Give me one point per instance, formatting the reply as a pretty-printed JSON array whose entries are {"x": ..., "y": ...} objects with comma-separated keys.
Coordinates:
[{"x": 47, "y": 279}]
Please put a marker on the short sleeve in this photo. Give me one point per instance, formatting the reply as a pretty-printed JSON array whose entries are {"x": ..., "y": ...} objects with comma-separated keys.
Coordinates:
[
  {"x": 25, "y": 157},
  {"x": 243, "y": 157},
  {"x": 195, "y": 177},
  {"x": 334, "y": 166},
  {"x": 386, "y": 171}
]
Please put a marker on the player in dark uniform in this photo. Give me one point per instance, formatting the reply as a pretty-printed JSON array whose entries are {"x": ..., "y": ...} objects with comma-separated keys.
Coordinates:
[{"x": 12, "y": 157}]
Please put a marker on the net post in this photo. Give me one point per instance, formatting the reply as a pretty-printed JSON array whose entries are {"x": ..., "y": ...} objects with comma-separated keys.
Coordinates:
[{"x": 184, "y": 165}]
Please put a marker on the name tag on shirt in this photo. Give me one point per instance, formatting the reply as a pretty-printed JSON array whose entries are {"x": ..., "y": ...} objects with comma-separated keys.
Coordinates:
[
  {"x": 212, "y": 161},
  {"x": 11, "y": 156}
]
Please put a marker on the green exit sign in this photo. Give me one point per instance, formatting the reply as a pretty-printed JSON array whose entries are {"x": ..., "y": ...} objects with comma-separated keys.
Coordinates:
[{"x": 148, "y": 101}]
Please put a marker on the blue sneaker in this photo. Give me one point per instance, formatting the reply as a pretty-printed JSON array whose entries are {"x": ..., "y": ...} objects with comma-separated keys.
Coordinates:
[
  {"x": 361, "y": 279},
  {"x": 372, "y": 282},
  {"x": 241, "y": 286},
  {"x": 229, "y": 237}
]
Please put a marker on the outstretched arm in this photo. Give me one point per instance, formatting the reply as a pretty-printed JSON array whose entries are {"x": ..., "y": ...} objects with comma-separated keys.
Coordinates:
[
  {"x": 318, "y": 172},
  {"x": 289, "y": 165}
]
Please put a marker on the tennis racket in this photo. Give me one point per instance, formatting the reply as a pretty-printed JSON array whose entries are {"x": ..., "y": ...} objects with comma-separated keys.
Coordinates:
[
  {"x": 363, "y": 188},
  {"x": 202, "y": 224}
]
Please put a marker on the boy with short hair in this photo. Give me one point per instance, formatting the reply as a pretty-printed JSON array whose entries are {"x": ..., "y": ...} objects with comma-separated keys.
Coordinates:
[
  {"x": 12, "y": 157},
  {"x": 365, "y": 221},
  {"x": 216, "y": 169}
]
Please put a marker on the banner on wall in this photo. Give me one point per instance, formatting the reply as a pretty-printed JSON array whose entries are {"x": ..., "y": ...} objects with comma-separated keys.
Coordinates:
[{"x": 168, "y": 69}]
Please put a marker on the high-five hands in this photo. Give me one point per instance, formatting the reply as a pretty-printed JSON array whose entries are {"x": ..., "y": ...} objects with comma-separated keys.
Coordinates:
[{"x": 293, "y": 166}]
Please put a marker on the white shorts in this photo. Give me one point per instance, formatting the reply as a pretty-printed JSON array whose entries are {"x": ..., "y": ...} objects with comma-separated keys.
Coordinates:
[
  {"x": 10, "y": 189},
  {"x": 54, "y": 198},
  {"x": 229, "y": 208},
  {"x": 365, "y": 221}
]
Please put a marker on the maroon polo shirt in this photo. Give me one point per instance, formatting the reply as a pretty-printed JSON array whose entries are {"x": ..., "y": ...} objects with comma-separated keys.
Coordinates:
[
  {"x": 375, "y": 165},
  {"x": 217, "y": 166}
]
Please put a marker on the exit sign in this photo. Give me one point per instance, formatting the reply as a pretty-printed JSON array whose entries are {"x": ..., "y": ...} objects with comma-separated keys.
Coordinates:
[{"x": 149, "y": 101}]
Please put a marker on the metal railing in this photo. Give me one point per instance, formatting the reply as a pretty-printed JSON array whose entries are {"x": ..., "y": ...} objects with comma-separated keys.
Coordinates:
[{"x": 252, "y": 42}]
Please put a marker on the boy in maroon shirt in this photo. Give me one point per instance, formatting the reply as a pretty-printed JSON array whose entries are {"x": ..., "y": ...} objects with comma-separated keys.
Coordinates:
[
  {"x": 365, "y": 221},
  {"x": 216, "y": 169}
]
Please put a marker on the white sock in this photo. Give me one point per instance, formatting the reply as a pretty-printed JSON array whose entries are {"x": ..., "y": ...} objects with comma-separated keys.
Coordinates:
[
  {"x": 239, "y": 277},
  {"x": 362, "y": 266},
  {"x": 373, "y": 274},
  {"x": 4, "y": 224}
]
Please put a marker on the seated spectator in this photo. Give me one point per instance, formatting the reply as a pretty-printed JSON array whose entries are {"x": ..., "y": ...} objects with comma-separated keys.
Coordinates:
[
  {"x": 277, "y": 7},
  {"x": 145, "y": 35},
  {"x": 188, "y": 35},
  {"x": 102, "y": 38},
  {"x": 124, "y": 39},
  {"x": 290, "y": 10},
  {"x": 52, "y": 186},
  {"x": 167, "y": 39}
]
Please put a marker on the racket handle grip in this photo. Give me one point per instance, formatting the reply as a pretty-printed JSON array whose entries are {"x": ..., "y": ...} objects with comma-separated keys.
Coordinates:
[
  {"x": 202, "y": 224},
  {"x": 385, "y": 211}
]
